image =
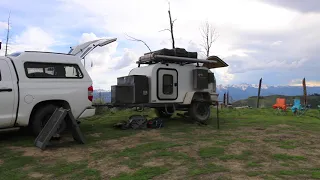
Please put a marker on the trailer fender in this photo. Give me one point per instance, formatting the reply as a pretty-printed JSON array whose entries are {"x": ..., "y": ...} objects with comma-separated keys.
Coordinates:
[{"x": 195, "y": 95}]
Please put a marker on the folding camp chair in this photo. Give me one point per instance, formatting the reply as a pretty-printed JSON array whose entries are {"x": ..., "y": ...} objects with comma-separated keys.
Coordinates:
[
  {"x": 298, "y": 109},
  {"x": 280, "y": 106}
]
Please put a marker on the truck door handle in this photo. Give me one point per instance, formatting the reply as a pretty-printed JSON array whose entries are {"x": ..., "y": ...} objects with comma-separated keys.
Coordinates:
[
  {"x": 175, "y": 84},
  {"x": 5, "y": 90}
]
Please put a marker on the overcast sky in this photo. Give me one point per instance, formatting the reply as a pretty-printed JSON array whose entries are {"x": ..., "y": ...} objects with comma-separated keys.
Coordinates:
[{"x": 273, "y": 39}]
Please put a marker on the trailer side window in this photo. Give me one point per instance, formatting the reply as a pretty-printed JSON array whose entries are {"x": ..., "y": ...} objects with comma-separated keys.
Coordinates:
[
  {"x": 52, "y": 70},
  {"x": 167, "y": 84}
]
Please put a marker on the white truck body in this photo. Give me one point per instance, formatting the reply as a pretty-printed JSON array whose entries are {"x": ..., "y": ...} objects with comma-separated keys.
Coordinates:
[{"x": 30, "y": 80}]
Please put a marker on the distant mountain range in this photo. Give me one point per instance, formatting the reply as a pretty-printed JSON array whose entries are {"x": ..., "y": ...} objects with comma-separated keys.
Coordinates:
[
  {"x": 268, "y": 101},
  {"x": 239, "y": 91},
  {"x": 243, "y": 91}
]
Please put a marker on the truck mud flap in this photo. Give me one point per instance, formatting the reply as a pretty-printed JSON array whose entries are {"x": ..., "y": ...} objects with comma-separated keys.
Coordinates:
[{"x": 53, "y": 124}]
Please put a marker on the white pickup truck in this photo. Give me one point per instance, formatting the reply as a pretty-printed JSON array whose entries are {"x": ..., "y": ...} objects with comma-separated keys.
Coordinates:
[{"x": 33, "y": 84}]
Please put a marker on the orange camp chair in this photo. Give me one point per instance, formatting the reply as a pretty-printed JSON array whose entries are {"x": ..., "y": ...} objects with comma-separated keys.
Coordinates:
[{"x": 280, "y": 105}]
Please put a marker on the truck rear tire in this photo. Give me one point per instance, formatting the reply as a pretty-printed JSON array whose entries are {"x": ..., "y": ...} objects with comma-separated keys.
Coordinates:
[
  {"x": 199, "y": 111},
  {"x": 41, "y": 117},
  {"x": 161, "y": 112}
]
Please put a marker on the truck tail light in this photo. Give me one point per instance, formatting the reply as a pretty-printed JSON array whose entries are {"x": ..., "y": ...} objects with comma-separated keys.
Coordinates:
[{"x": 90, "y": 93}]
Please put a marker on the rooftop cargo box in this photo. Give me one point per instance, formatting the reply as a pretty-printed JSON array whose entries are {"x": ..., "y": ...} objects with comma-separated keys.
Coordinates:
[{"x": 178, "y": 52}]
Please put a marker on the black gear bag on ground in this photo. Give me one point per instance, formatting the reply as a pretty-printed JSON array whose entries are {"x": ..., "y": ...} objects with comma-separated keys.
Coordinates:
[{"x": 155, "y": 123}]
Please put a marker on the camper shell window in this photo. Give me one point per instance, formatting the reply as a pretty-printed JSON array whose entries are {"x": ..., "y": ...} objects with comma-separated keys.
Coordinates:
[
  {"x": 167, "y": 84},
  {"x": 52, "y": 70}
]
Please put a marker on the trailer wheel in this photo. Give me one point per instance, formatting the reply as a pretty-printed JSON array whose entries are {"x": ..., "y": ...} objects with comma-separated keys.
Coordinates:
[
  {"x": 41, "y": 117},
  {"x": 161, "y": 112},
  {"x": 199, "y": 111}
]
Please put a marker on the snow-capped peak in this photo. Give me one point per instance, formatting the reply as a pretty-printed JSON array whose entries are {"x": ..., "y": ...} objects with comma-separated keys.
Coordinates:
[{"x": 243, "y": 86}]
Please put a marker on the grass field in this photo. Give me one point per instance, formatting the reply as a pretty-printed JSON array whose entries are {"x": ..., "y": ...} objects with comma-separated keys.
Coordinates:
[{"x": 250, "y": 144}]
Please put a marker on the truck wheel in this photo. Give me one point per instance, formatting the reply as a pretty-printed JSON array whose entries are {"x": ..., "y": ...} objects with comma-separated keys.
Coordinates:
[
  {"x": 161, "y": 112},
  {"x": 42, "y": 116},
  {"x": 199, "y": 111}
]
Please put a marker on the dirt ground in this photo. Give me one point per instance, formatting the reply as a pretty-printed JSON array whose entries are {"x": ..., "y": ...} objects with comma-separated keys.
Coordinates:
[{"x": 246, "y": 151}]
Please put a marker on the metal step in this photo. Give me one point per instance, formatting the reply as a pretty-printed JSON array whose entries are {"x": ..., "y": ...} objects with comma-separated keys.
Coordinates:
[
  {"x": 50, "y": 128},
  {"x": 54, "y": 123},
  {"x": 76, "y": 133}
]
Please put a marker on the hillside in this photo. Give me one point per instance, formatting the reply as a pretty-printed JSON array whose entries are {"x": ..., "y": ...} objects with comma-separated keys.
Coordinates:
[{"x": 268, "y": 101}]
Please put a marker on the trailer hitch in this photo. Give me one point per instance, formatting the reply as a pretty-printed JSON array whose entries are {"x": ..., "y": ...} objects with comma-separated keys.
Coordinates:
[
  {"x": 139, "y": 108},
  {"x": 166, "y": 110}
]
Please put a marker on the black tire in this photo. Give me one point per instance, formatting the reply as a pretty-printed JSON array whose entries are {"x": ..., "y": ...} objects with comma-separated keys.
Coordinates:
[
  {"x": 199, "y": 111},
  {"x": 161, "y": 112},
  {"x": 41, "y": 117}
]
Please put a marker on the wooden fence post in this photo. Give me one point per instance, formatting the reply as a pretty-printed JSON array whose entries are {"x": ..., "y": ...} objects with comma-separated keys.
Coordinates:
[{"x": 259, "y": 90}]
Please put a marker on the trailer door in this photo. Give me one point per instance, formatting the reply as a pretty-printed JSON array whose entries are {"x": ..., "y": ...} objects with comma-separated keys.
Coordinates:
[
  {"x": 7, "y": 98},
  {"x": 167, "y": 84}
]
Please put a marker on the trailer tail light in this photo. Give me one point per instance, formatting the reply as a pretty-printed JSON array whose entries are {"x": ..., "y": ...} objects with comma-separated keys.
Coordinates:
[{"x": 90, "y": 93}]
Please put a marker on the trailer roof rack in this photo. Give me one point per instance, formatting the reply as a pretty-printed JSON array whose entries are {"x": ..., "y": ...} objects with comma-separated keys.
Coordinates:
[{"x": 153, "y": 58}]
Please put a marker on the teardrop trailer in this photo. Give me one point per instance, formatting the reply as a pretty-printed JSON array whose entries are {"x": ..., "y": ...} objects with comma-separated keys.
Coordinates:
[{"x": 172, "y": 80}]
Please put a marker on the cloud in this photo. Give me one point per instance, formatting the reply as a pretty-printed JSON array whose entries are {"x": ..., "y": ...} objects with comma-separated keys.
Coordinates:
[
  {"x": 250, "y": 38},
  {"x": 194, "y": 47},
  {"x": 276, "y": 43},
  {"x": 291, "y": 52},
  {"x": 105, "y": 79},
  {"x": 240, "y": 64},
  {"x": 299, "y": 5},
  {"x": 223, "y": 75},
  {"x": 126, "y": 60},
  {"x": 107, "y": 65},
  {"x": 105, "y": 16},
  {"x": 276, "y": 40},
  {"x": 298, "y": 82},
  {"x": 3, "y": 25},
  {"x": 32, "y": 38}
]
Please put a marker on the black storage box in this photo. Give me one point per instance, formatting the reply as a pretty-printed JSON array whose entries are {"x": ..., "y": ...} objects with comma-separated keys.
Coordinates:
[
  {"x": 133, "y": 89},
  {"x": 122, "y": 94},
  {"x": 140, "y": 80},
  {"x": 200, "y": 79}
]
